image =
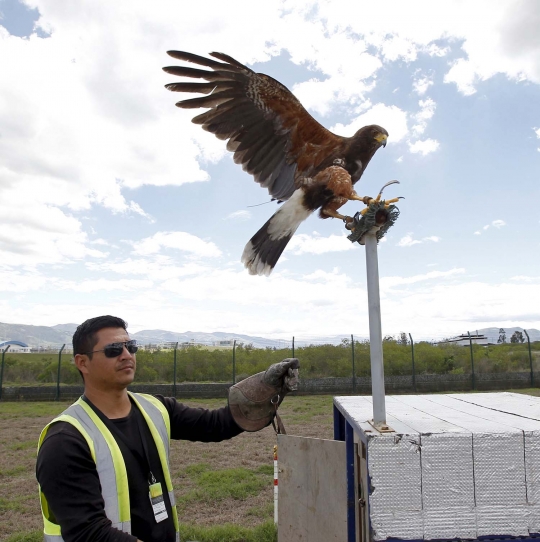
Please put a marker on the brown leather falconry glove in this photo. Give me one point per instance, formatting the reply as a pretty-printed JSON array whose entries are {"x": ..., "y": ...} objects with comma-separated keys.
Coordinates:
[{"x": 255, "y": 400}]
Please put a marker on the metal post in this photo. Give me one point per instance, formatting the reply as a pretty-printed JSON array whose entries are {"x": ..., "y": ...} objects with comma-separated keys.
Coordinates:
[
  {"x": 530, "y": 359},
  {"x": 472, "y": 362},
  {"x": 375, "y": 331},
  {"x": 174, "y": 371},
  {"x": 353, "y": 368},
  {"x": 57, "y": 398},
  {"x": 2, "y": 368},
  {"x": 234, "y": 362},
  {"x": 293, "y": 347},
  {"x": 413, "y": 369}
]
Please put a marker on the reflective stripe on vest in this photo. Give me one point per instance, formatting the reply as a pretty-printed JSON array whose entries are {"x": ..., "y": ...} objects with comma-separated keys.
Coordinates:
[
  {"x": 109, "y": 461},
  {"x": 155, "y": 412}
]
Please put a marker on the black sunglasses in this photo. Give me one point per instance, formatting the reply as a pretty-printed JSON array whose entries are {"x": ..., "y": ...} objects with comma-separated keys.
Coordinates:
[{"x": 113, "y": 350}]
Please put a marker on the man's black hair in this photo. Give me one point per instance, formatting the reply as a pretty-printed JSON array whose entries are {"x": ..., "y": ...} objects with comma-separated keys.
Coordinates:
[{"x": 85, "y": 336}]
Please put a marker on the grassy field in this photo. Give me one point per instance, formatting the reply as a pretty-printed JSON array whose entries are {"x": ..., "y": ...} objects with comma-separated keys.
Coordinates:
[{"x": 224, "y": 490}]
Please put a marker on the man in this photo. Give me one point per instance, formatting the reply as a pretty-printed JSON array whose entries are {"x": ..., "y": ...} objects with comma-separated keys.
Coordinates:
[{"x": 103, "y": 465}]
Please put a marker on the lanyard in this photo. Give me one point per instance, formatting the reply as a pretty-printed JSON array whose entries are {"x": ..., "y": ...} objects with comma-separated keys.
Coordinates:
[{"x": 113, "y": 429}]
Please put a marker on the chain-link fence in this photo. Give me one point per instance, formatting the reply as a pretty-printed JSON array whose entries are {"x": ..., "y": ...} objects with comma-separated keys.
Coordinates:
[{"x": 470, "y": 361}]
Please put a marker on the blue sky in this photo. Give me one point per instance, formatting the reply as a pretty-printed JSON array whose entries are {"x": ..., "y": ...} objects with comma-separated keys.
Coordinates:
[{"x": 112, "y": 201}]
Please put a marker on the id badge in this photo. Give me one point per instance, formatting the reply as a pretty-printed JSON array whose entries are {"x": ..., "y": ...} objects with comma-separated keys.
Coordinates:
[{"x": 157, "y": 502}]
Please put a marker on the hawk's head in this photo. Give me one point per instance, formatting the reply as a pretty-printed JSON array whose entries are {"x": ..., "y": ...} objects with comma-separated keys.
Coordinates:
[{"x": 372, "y": 135}]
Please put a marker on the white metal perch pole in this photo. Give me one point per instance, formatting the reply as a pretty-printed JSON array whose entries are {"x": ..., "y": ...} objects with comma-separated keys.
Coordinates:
[
  {"x": 375, "y": 329},
  {"x": 367, "y": 229}
]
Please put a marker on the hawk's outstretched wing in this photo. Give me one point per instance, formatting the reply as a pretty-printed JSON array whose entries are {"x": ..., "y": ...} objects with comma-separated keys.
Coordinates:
[{"x": 267, "y": 128}]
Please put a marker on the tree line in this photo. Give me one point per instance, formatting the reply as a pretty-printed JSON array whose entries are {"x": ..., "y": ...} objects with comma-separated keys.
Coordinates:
[{"x": 199, "y": 364}]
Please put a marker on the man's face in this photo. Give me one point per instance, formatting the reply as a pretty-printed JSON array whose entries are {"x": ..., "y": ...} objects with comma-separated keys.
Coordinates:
[{"x": 108, "y": 373}]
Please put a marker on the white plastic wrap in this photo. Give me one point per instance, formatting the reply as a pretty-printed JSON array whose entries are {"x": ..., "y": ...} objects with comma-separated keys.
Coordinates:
[{"x": 458, "y": 466}]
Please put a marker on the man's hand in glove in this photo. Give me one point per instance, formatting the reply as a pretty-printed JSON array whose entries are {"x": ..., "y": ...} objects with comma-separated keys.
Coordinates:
[
  {"x": 283, "y": 375},
  {"x": 254, "y": 401}
]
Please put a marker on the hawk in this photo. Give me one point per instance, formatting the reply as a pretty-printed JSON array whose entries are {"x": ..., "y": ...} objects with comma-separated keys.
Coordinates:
[{"x": 276, "y": 140}]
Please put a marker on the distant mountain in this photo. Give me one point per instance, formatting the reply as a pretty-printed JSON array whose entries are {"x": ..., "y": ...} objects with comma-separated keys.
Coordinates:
[
  {"x": 35, "y": 335},
  {"x": 62, "y": 333},
  {"x": 159, "y": 336},
  {"x": 68, "y": 328}
]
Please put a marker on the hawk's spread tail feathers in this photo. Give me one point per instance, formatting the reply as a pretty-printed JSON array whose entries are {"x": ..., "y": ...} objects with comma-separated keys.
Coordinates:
[{"x": 266, "y": 246}]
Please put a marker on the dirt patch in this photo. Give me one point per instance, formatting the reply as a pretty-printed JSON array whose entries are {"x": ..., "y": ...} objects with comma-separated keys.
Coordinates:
[{"x": 20, "y": 429}]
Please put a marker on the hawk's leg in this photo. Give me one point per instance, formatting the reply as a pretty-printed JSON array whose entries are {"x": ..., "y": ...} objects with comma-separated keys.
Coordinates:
[
  {"x": 335, "y": 214},
  {"x": 387, "y": 204},
  {"x": 364, "y": 199}
]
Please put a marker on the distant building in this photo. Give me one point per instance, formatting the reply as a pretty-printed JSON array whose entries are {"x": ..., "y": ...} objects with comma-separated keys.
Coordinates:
[
  {"x": 464, "y": 340},
  {"x": 15, "y": 347},
  {"x": 227, "y": 342}
]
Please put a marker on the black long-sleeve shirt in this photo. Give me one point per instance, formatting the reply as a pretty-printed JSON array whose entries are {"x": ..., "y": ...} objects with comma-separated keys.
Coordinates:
[{"x": 69, "y": 480}]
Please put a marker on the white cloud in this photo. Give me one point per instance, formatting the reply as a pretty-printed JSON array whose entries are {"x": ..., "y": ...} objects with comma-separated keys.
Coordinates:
[
  {"x": 324, "y": 96},
  {"x": 390, "y": 117},
  {"x": 105, "y": 285},
  {"x": 428, "y": 304},
  {"x": 155, "y": 267},
  {"x": 24, "y": 280},
  {"x": 84, "y": 121},
  {"x": 408, "y": 241},
  {"x": 32, "y": 234},
  {"x": 505, "y": 43},
  {"x": 316, "y": 244},
  {"x": 100, "y": 241},
  {"x": 427, "y": 110},
  {"x": 424, "y": 147},
  {"x": 387, "y": 283},
  {"x": 178, "y": 240},
  {"x": 537, "y": 132},
  {"x": 422, "y": 83},
  {"x": 495, "y": 223},
  {"x": 525, "y": 278},
  {"x": 103, "y": 122},
  {"x": 239, "y": 216}
]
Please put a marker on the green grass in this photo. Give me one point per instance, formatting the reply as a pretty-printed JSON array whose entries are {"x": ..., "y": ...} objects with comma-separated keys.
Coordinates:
[
  {"x": 21, "y": 409},
  {"x": 265, "y": 511},
  {"x": 216, "y": 485},
  {"x": 528, "y": 391},
  {"x": 26, "y": 445},
  {"x": 15, "y": 504},
  {"x": 14, "y": 471},
  {"x": 30, "y": 536},
  {"x": 6, "y": 504},
  {"x": 267, "y": 532},
  {"x": 310, "y": 407}
]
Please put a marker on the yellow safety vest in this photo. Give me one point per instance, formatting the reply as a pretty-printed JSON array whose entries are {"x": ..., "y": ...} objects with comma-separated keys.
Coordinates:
[{"x": 110, "y": 462}]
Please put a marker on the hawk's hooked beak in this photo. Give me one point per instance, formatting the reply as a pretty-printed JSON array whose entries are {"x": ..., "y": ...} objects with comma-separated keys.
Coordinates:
[{"x": 381, "y": 138}]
